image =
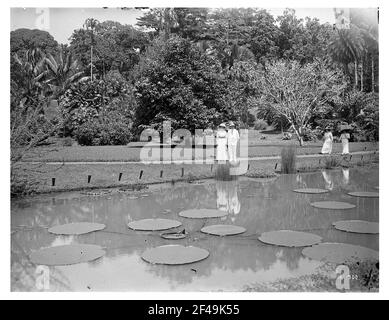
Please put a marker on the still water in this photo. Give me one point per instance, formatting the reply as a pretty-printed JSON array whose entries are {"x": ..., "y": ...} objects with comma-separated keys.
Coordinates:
[{"x": 259, "y": 205}]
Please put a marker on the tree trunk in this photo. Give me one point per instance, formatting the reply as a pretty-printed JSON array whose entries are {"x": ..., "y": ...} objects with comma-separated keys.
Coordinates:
[
  {"x": 362, "y": 75},
  {"x": 355, "y": 74},
  {"x": 372, "y": 72},
  {"x": 91, "y": 63}
]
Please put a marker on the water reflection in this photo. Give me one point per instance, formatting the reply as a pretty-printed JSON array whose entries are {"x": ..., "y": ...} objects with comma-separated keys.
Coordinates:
[{"x": 258, "y": 205}]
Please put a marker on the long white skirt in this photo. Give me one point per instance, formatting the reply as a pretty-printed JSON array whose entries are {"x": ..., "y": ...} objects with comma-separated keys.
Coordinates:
[
  {"x": 327, "y": 147},
  {"x": 345, "y": 146},
  {"x": 221, "y": 150}
]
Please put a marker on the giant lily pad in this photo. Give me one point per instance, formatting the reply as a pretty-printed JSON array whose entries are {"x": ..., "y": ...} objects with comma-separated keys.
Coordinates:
[
  {"x": 67, "y": 255},
  {"x": 223, "y": 230},
  {"x": 357, "y": 226},
  {"x": 154, "y": 224},
  {"x": 289, "y": 238},
  {"x": 339, "y": 253},
  {"x": 333, "y": 205},
  {"x": 364, "y": 194},
  {"x": 77, "y": 228},
  {"x": 175, "y": 255},
  {"x": 173, "y": 236},
  {"x": 311, "y": 190},
  {"x": 202, "y": 213}
]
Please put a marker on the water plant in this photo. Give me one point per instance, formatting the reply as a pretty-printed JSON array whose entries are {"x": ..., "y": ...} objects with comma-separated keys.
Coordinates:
[{"x": 288, "y": 160}]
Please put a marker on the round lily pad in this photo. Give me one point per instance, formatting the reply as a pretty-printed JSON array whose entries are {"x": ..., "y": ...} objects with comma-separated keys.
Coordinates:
[
  {"x": 202, "y": 213},
  {"x": 333, "y": 205},
  {"x": 77, "y": 228},
  {"x": 357, "y": 226},
  {"x": 223, "y": 230},
  {"x": 289, "y": 238},
  {"x": 154, "y": 224},
  {"x": 311, "y": 190},
  {"x": 96, "y": 192},
  {"x": 364, "y": 194},
  {"x": 339, "y": 253},
  {"x": 173, "y": 236},
  {"x": 174, "y": 255},
  {"x": 67, "y": 255}
]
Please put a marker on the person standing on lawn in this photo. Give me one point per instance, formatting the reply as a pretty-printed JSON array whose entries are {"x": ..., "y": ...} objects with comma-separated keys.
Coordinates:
[
  {"x": 328, "y": 140},
  {"x": 232, "y": 140},
  {"x": 345, "y": 137},
  {"x": 221, "y": 144}
]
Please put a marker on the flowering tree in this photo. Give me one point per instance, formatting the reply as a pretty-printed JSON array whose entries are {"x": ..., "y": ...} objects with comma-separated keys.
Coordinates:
[{"x": 295, "y": 92}]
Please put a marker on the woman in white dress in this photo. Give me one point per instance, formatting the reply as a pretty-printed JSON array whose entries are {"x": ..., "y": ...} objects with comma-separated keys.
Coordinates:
[
  {"x": 328, "y": 139},
  {"x": 221, "y": 142},
  {"x": 345, "y": 137}
]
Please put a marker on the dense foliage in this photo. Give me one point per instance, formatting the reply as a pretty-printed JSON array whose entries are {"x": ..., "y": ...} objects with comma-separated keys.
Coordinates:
[{"x": 198, "y": 67}]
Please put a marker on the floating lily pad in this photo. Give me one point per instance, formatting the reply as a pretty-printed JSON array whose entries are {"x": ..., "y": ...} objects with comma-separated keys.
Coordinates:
[
  {"x": 154, "y": 224},
  {"x": 67, "y": 255},
  {"x": 96, "y": 193},
  {"x": 311, "y": 190},
  {"x": 364, "y": 194},
  {"x": 333, "y": 205},
  {"x": 339, "y": 253},
  {"x": 174, "y": 255},
  {"x": 289, "y": 238},
  {"x": 173, "y": 236},
  {"x": 223, "y": 230},
  {"x": 357, "y": 226},
  {"x": 77, "y": 228},
  {"x": 202, "y": 213}
]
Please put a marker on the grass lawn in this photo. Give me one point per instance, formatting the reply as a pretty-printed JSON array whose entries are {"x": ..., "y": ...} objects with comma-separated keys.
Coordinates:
[
  {"x": 124, "y": 153},
  {"x": 75, "y": 176}
]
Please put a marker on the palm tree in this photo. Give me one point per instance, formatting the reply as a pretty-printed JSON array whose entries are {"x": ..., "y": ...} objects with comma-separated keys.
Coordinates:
[
  {"x": 31, "y": 72},
  {"x": 91, "y": 26},
  {"x": 61, "y": 72},
  {"x": 346, "y": 47}
]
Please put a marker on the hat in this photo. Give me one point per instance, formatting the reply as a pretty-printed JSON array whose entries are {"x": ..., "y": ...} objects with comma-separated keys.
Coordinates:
[
  {"x": 328, "y": 128},
  {"x": 223, "y": 125},
  {"x": 231, "y": 124}
]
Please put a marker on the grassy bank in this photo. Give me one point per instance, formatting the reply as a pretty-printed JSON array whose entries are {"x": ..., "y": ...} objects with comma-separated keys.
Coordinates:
[
  {"x": 124, "y": 153},
  {"x": 75, "y": 176}
]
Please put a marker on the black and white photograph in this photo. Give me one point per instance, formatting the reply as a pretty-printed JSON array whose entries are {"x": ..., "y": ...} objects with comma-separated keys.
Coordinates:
[{"x": 203, "y": 149}]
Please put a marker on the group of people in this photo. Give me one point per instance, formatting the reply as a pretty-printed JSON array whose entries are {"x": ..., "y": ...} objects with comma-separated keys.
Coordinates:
[
  {"x": 329, "y": 139},
  {"x": 227, "y": 138}
]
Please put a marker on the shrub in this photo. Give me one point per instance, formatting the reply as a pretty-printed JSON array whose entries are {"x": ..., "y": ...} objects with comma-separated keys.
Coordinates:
[
  {"x": 288, "y": 160},
  {"x": 104, "y": 132},
  {"x": 331, "y": 162},
  {"x": 260, "y": 125}
]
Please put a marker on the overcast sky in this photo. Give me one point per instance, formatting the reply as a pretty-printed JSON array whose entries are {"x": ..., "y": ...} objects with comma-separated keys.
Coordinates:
[{"x": 61, "y": 22}]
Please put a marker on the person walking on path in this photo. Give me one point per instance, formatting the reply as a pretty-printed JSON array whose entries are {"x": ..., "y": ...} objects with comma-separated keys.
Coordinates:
[
  {"x": 232, "y": 140},
  {"x": 345, "y": 137},
  {"x": 221, "y": 144},
  {"x": 328, "y": 140}
]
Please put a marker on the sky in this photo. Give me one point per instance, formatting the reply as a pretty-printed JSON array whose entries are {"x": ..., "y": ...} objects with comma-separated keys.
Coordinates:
[{"x": 60, "y": 22}]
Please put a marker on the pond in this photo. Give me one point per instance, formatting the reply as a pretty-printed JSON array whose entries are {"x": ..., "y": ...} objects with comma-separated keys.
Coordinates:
[{"x": 259, "y": 205}]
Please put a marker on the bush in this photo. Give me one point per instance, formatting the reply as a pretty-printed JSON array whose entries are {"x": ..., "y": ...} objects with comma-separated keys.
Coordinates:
[
  {"x": 104, "y": 132},
  {"x": 331, "y": 162},
  {"x": 288, "y": 160},
  {"x": 260, "y": 125}
]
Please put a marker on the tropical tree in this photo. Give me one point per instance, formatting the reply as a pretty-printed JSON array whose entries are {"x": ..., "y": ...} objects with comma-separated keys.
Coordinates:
[
  {"x": 296, "y": 91},
  {"x": 90, "y": 25},
  {"x": 61, "y": 72},
  {"x": 347, "y": 46}
]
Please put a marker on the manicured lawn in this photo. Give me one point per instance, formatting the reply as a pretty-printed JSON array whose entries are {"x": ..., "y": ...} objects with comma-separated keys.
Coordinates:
[{"x": 124, "y": 153}]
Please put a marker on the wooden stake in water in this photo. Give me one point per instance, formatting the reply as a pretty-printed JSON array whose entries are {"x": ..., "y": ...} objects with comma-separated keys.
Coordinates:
[
  {"x": 275, "y": 168},
  {"x": 53, "y": 182},
  {"x": 182, "y": 172},
  {"x": 120, "y": 176},
  {"x": 161, "y": 174},
  {"x": 89, "y": 178},
  {"x": 140, "y": 174}
]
